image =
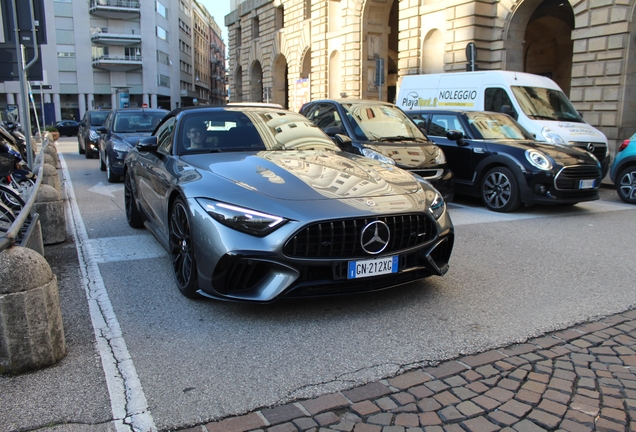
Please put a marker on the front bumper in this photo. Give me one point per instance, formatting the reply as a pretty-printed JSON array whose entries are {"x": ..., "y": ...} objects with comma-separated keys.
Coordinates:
[{"x": 564, "y": 186}]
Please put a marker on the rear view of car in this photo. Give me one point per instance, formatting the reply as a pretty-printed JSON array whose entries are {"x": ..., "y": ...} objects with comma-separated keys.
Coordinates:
[
  {"x": 87, "y": 136},
  {"x": 623, "y": 172}
]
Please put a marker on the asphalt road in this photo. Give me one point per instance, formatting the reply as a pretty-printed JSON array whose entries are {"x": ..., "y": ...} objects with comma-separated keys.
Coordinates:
[{"x": 168, "y": 362}]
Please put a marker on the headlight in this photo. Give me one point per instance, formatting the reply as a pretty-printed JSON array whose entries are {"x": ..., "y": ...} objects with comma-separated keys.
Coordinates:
[
  {"x": 372, "y": 154},
  {"x": 437, "y": 206},
  {"x": 121, "y": 146},
  {"x": 93, "y": 135},
  {"x": 241, "y": 219},
  {"x": 551, "y": 136},
  {"x": 539, "y": 160},
  {"x": 440, "y": 157}
]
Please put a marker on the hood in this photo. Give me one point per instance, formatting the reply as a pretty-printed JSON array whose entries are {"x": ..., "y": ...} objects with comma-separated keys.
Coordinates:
[
  {"x": 131, "y": 138},
  {"x": 408, "y": 154},
  {"x": 307, "y": 175},
  {"x": 569, "y": 131},
  {"x": 562, "y": 154}
]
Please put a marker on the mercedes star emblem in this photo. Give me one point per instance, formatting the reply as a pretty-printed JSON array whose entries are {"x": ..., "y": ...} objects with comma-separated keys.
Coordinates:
[{"x": 375, "y": 237}]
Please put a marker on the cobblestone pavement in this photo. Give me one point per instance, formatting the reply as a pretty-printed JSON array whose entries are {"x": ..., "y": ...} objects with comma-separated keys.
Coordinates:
[{"x": 579, "y": 379}]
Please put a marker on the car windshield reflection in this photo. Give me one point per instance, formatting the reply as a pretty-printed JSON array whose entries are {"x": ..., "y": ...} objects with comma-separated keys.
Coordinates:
[{"x": 497, "y": 126}]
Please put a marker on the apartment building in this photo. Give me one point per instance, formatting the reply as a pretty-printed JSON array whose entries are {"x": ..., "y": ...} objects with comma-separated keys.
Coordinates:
[
  {"x": 289, "y": 51},
  {"x": 104, "y": 54}
]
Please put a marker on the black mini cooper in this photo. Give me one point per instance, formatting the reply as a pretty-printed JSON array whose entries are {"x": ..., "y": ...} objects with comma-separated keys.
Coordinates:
[{"x": 495, "y": 158}]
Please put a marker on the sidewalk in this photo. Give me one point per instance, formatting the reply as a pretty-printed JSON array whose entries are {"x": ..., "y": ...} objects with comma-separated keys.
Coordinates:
[{"x": 579, "y": 379}]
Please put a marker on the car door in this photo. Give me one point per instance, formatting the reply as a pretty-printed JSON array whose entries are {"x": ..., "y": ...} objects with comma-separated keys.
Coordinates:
[
  {"x": 154, "y": 177},
  {"x": 459, "y": 154}
]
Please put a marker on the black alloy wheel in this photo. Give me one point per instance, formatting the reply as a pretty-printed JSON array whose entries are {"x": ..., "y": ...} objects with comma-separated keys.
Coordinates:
[
  {"x": 184, "y": 264},
  {"x": 500, "y": 191},
  {"x": 626, "y": 184},
  {"x": 133, "y": 215},
  {"x": 112, "y": 178}
]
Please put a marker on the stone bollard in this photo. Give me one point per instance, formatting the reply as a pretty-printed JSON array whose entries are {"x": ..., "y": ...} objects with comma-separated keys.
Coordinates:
[
  {"x": 52, "y": 151},
  {"x": 31, "y": 329},
  {"x": 51, "y": 177},
  {"x": 50, "y": 207},
  {"x": 48, "y": 159}
]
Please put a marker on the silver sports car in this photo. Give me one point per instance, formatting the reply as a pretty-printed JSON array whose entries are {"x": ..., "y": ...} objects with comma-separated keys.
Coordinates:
[{"x": 255, "y": 203}]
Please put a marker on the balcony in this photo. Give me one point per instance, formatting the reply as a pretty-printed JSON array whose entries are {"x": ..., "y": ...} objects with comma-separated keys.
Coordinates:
[
  {"x": 116, "y": 36},
  {"x": 115, "y": 9},
  {"x": 117, "y": 63}
]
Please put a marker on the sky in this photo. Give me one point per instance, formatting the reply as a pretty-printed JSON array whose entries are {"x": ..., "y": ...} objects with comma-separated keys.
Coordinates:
[{"x": 218, "y": 9}]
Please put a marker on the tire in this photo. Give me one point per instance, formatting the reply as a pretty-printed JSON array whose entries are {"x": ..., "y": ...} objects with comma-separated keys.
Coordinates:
[
  {"x": 500, "y": 190},
  {"x": 626, "y": 184},
  {"x": 184, "y": 264},
  {"x": 112, "y": 178},
  {"x": 102, "y": 165},
  {"x": 133, "y": 215},
  {"x": 79, "y": 147},
  {"x": 11, "y": 198},
  {"x": 88, "y": 154}
]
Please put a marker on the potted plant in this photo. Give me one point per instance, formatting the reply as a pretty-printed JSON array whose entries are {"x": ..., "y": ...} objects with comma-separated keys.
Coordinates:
[{"x": 52, "y": 130}]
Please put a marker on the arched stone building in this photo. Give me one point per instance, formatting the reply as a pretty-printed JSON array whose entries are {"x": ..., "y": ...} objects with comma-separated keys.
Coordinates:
[{"x": 288, "y": 51}]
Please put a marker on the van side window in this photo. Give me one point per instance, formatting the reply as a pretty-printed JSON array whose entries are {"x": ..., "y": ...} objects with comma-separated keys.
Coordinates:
[
  {"x": 495, "y": 98},
  {"x": 442, "y": 123}
]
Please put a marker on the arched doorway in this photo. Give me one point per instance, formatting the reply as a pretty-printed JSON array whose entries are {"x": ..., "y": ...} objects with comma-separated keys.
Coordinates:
[
  {"x": 380, "y": 41},
  {"x": 433, "y": 45},
  {"x": 334, "y": 75},
  {"x": 539, "y": 40},
  {"x": 256, "y": 83},
  {"x": 280, "y": 95}
]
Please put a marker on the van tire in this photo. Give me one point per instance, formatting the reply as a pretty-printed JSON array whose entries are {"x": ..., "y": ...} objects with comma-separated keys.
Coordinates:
[{"x": 500, "y": 191}]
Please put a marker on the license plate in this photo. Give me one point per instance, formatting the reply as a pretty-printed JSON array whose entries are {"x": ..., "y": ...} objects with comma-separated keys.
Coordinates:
[
  {"x": 372, "y": 267},
  {"x": 586, "y": 184}
]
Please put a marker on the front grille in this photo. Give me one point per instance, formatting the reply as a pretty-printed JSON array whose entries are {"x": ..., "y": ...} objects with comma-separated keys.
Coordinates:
[
  {"x": 568, "y": 178},
  {"x": 341, "y": 238},
  {"x": 600, "y": 149}
]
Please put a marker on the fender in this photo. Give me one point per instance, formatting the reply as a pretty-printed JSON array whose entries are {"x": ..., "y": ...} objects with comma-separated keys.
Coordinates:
[
  {"x": 629, "y": 160},
  {"x": 509, "y": 162}
]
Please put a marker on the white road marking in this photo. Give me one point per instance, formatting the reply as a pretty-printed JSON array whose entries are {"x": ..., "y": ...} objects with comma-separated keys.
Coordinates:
[
  {"x": 124, "y": 248},
  {"x": 107, "y": 190},
  {"x": 127, "y": 398},
  {"x": 466, "y": 215}
]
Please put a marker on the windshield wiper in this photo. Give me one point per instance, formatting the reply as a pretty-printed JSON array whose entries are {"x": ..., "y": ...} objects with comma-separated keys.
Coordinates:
[
  {"x": 202, "y": 151},
  {"x": 397, "y": 138},
  {"x": 541, "y": 117}
]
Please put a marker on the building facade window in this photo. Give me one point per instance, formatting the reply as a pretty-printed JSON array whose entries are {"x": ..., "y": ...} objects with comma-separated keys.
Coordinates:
[
  {"x": 161, "y": 9},
  {"x": 162, "y": 33},
  {"x": 163, "y": 80},
  {"x": 163, "y": 57}
]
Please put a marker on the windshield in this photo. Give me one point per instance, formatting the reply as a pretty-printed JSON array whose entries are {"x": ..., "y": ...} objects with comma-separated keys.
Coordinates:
[
  {"x": 374, "y": 122},
  {"x": 133, "y": 122},
  {"x": 546, "y": 104},
  {"x": 235, "y": 130},
  {"x": 497, "y": 126},
  {"x": 97, "y": 118}
]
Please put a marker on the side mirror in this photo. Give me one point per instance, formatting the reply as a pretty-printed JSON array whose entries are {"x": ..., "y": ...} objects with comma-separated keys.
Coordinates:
[
  {"x": 333, "y": 130},
  {"x": 455, "y": 135},
  {"x": 148, "y": 144}
]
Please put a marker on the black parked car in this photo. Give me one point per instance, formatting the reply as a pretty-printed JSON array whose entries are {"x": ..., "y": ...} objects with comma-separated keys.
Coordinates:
[
  {"x": 67, "y": 127},
  {"x": 495, "y": 158},
  {"x": 120, "y": 132},
  {"x": 87, "y": 137},
  {"x": 382, "y": 131}
]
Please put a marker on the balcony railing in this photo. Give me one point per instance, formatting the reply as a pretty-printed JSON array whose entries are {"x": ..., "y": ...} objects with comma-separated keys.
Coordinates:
[
  {"x": 116, "y": 36},
  {"x": 118, "y": 63},
  {"x": 115, "y": 9}
]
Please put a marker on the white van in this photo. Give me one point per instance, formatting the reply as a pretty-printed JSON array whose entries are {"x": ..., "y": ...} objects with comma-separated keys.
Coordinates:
[{"x": 535, "y": 101}]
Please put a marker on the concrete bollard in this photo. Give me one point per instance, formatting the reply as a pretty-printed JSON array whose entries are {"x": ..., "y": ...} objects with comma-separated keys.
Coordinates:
[
  {"x": 52, "y": 151},
  {"x": 31, "y": 328},
  {"x": 50, "y": 207},
  {"x": 51, "y": 177},
  {"x": 48, "y": 159}
]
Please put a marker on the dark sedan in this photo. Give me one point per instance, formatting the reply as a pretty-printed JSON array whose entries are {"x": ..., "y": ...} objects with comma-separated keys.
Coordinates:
[
  {"x": 256, "y": 203},
  {"x": 495, "y": 158},
  {"x": 67, "y": 127},
  {"x": 120, "y": 132},
  {"x": 87, "y": 137},
  {"x": 380, "y": 130}
]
